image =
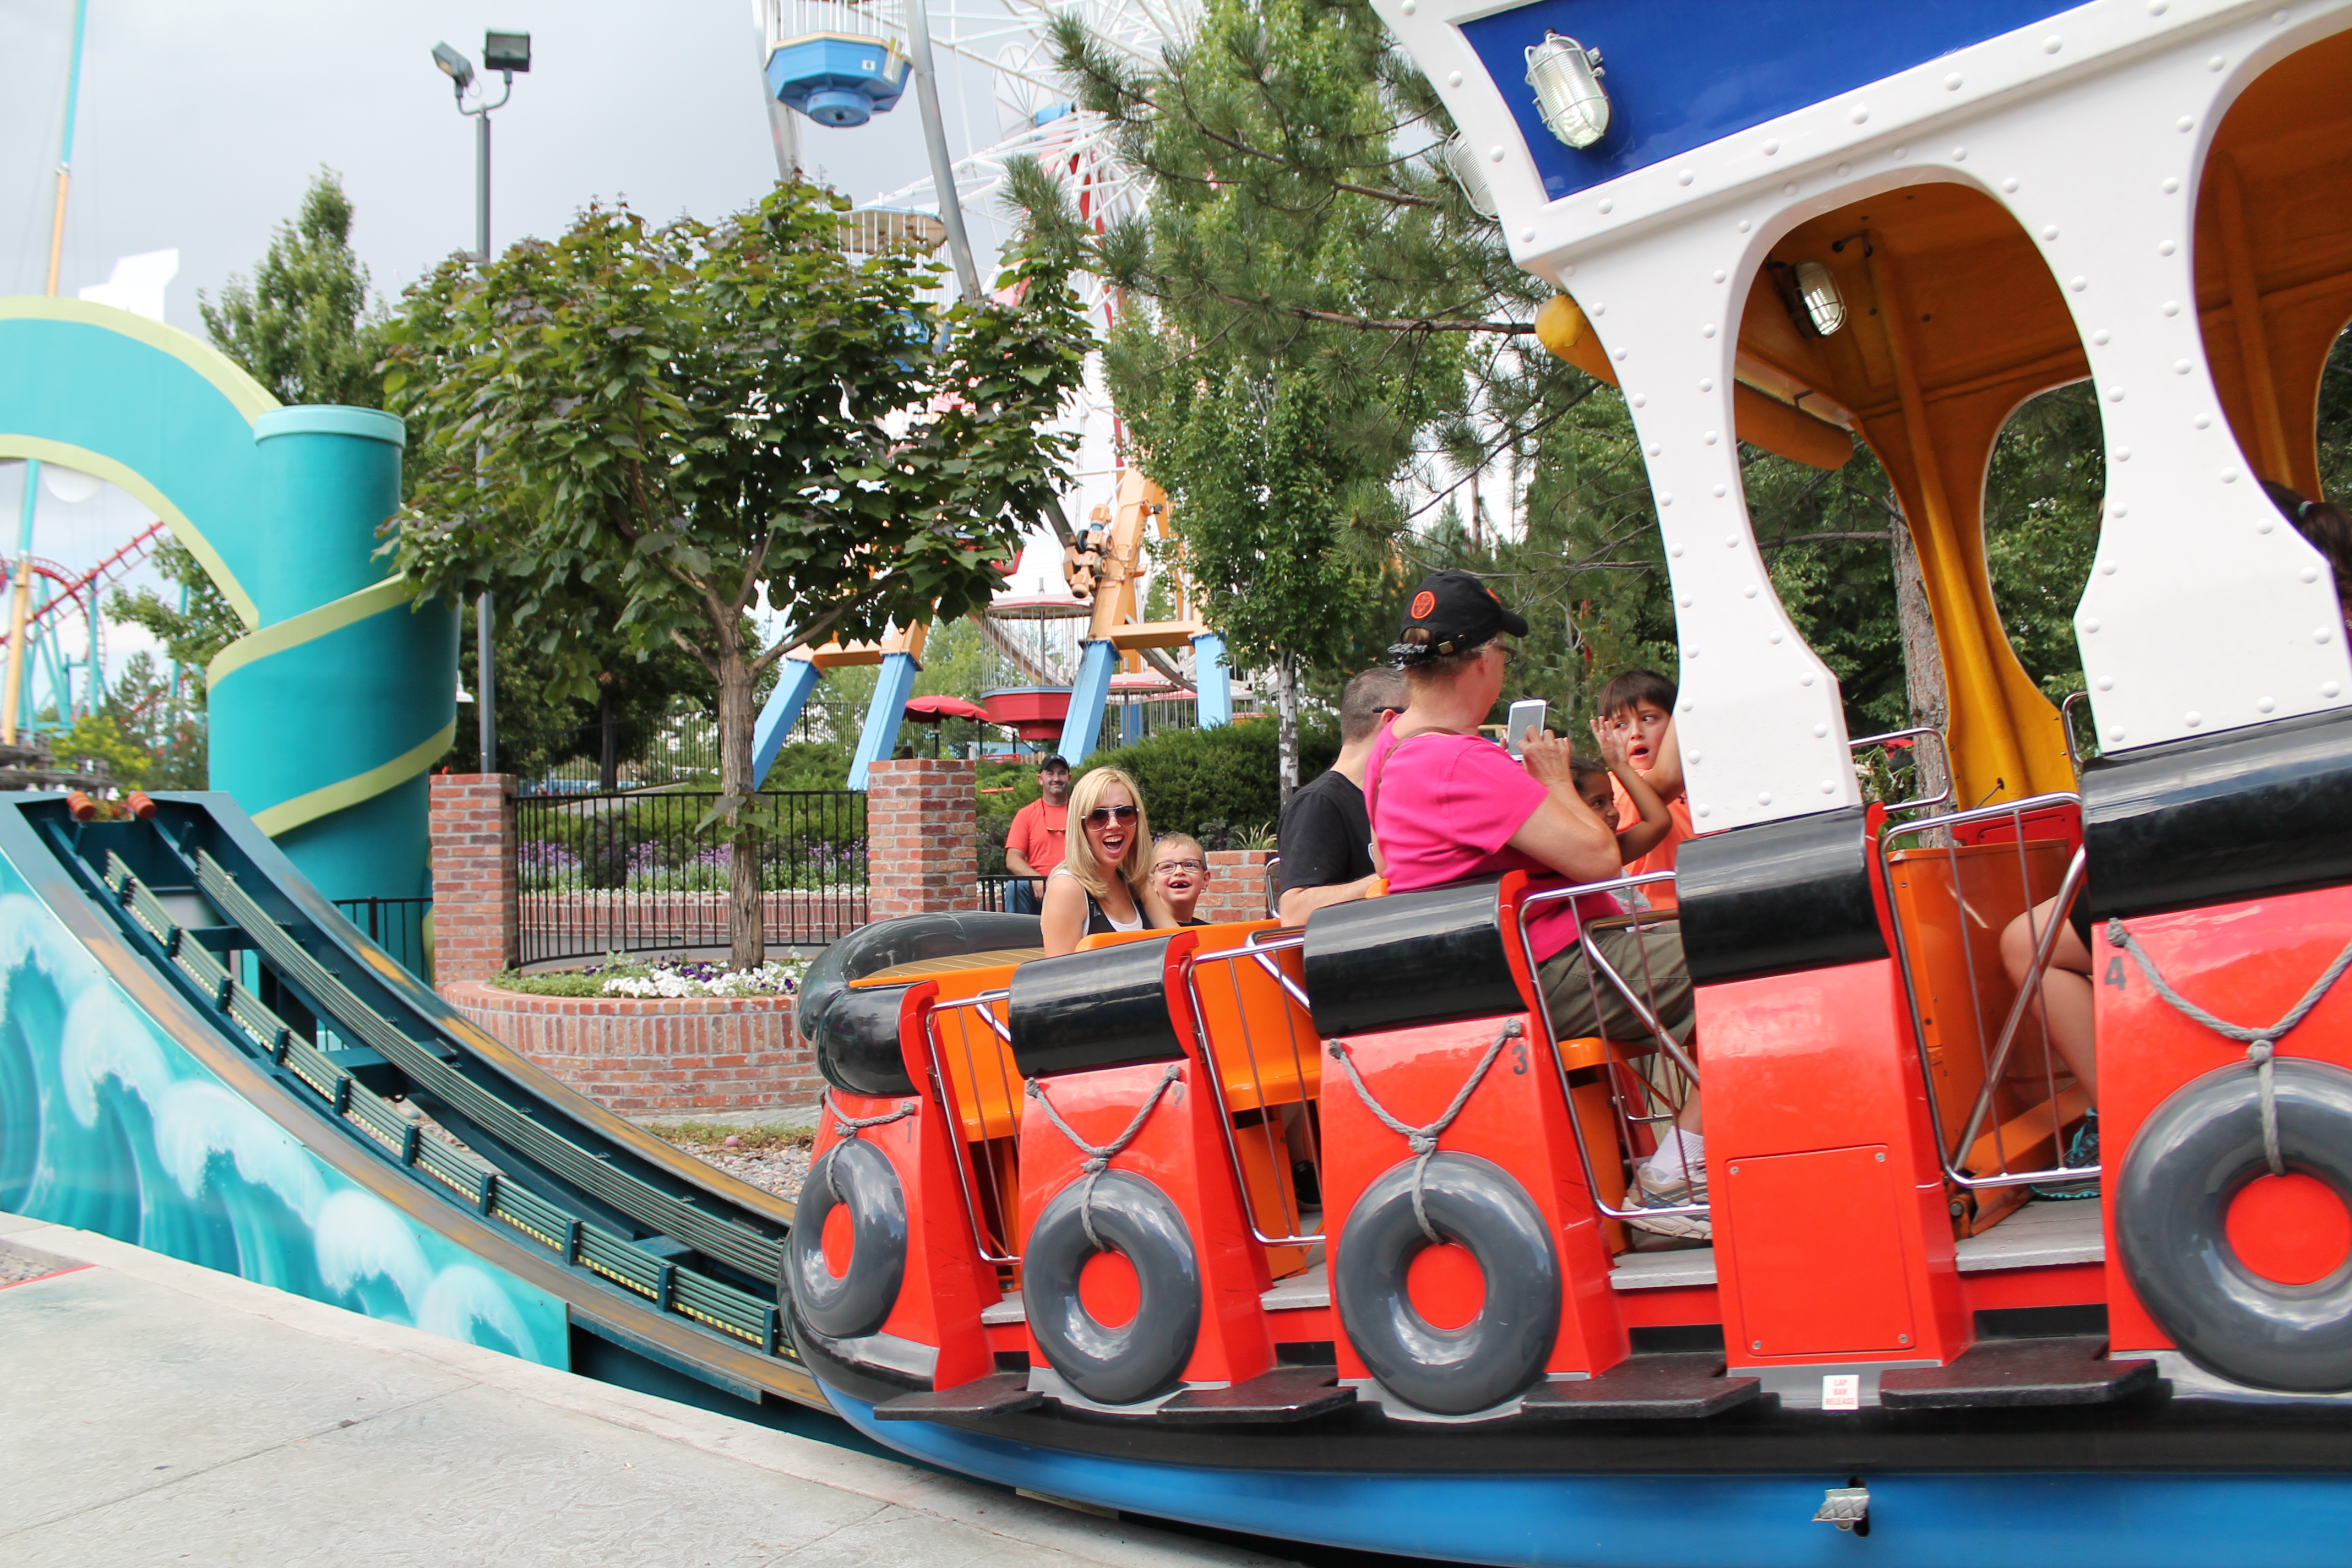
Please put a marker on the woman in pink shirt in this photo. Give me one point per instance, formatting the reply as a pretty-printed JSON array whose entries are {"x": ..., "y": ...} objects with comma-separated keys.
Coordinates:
[{"x": 1448, "y": 804}]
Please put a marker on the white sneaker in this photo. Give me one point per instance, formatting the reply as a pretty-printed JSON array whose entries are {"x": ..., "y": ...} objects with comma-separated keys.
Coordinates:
[{"x": 1672, "y": 1191}]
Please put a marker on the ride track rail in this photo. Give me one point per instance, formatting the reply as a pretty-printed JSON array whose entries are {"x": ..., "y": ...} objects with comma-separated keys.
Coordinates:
[{"x": 665, "y": 1238}]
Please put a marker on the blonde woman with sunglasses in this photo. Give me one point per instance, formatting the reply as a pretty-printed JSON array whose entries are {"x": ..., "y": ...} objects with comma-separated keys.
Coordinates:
[{"x": 1103, "y": 884}]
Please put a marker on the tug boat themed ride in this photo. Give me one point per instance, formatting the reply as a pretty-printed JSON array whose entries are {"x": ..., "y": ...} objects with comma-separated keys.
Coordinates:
[{"x": 1321, "y": 1233}]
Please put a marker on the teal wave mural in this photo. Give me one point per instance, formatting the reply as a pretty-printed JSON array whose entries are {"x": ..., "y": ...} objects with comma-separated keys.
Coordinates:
[{"x": 107, "y": 1124}]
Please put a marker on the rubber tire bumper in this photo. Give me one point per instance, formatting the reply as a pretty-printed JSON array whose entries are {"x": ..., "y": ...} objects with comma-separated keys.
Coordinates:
[
  {"x": 1145, "y": 1355},
  {"x": 1497, "y": 1356},
  {"x": 2189, "y": 1160},
  {"x": 848, "y": 1306}
]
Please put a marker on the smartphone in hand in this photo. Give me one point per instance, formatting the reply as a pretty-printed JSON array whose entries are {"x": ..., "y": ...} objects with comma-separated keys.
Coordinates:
[{"x": 1527, "y": 714}]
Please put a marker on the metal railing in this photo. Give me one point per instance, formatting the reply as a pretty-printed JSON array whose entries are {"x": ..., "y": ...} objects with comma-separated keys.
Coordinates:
[
  {"x": 599, "y": 873},
  {"x": 1663, "y": 1101},
  {"x": 995, "y": 891},
  {"x": 1961, "y": 954},
  {"x": 395, "y": 925},
  {"x": 994, "y": 1249},
  {"x": 1279, "y": 1132}
]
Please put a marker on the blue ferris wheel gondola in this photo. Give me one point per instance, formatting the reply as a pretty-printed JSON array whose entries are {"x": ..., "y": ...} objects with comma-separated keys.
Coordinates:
[{"x": 837, "y": 79}]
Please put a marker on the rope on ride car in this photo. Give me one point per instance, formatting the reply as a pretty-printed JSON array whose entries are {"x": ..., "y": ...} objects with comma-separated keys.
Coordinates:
[
  {"x": 847, "y": 1128},
  {"x": 2259, "y": 1043},
  {"x": 1099, "y": 1156},
  {"x": 1422, "y": 1141}
]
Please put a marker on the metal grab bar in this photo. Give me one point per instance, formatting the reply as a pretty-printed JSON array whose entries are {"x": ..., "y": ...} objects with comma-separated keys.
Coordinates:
[
  {"x": 984, "y": 1003},
  {"x": 1594, "y": 963},
  {"x": 1921, "y": 732},
  {"x": 2015, "y": 813},
  {"x": 1261, "y": 952}
]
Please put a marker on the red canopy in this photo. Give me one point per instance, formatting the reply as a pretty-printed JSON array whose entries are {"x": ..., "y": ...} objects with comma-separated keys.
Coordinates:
[{"x": 933, "y": 709}]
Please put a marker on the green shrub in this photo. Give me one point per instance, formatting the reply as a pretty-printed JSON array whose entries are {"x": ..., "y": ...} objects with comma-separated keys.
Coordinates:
[{"x": 1220, "y": 784}]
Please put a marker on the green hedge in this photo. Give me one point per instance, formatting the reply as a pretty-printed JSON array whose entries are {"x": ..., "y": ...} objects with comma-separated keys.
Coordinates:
[{"x": 1220, "y": 784}]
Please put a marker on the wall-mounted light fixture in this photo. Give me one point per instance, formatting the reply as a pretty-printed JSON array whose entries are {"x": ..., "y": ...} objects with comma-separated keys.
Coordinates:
[
  {"x": 1809, "y": 292},
  {"x": 1567, "y": 78},
  {"x": 1463, "y": 164},
  {"x": 1817, "y": 290}
]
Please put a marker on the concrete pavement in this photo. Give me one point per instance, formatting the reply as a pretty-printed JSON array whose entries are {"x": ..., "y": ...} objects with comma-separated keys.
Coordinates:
[{"x": 158, "y": 1413}]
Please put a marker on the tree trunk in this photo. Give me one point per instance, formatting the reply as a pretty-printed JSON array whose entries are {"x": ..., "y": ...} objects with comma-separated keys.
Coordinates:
[
  {"x": 1286, "y": 708},
  {"x": 746, "y": 940},
  {"x": 1923, "y": 661}
]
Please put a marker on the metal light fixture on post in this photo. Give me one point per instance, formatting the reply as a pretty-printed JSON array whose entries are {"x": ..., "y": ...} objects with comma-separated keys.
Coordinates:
[
  {"x": 505, "y": 53},
  {"x": 1567, "y": 78}
]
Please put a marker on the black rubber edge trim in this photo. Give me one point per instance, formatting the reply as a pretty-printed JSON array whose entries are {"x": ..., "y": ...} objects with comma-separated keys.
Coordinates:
[
  {"x": 1102, "y": 1009},
  {"x": 1425, "y": 957},
  {"x": 1778, "y": 897}
]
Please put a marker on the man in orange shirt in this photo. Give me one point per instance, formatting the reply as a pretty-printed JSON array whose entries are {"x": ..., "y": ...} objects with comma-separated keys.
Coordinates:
[
  {"x": 1640, "y": 706},
  {"x": 1034, "y": 843}
]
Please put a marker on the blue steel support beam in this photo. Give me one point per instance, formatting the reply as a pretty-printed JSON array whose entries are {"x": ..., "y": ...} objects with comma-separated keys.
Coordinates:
[
  {"x": 1212, "y": 688},
  {"x": 1130, "y": 723},
  {"x": 884, "y": 714},
  {"x": 1082, "y": 729},
  {"x": 795, "y": 682}
]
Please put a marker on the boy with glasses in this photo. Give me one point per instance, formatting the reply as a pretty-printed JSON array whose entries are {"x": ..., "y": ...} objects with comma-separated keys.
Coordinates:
[{"x": 1180, "y": 874}]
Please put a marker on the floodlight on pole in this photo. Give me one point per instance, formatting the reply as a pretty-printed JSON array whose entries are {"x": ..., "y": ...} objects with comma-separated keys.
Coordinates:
[{"x": 505, "y": 53}]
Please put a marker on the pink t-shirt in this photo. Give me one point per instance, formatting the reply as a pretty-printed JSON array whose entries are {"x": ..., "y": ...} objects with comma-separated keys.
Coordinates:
[{"x": 1443, "y": 810}]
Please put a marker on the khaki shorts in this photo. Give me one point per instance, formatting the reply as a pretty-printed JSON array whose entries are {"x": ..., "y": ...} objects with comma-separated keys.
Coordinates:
[{"x": 1649, "y": 960}]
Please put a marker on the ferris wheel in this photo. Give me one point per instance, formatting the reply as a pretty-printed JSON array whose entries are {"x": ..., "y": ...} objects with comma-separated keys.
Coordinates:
[{"x": 842, "y": 61}]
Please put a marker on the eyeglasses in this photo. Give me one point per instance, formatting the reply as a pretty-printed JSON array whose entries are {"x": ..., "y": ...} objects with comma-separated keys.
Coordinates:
[
  {"x": 1104, "y": 816},
  {"x": 1506, "y": 650},
  {"x": 1194, "y": 867}
]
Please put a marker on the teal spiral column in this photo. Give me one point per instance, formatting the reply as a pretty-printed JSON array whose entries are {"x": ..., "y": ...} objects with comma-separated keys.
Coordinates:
[
  {"x": 328, "y": 714},
  {"x": 325, "y": 720}
]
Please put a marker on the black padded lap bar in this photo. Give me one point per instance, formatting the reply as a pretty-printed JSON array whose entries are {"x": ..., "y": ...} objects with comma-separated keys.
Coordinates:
[
  {"x": 910, "y": 939},
  {"x": 1102, "y": 1008},
  {"x": 2221, "y": 817},
  {"x": 1411, "y": 958},
  {"x": 857, "y": 1043},
  {"x": 1778, "y": 897}
]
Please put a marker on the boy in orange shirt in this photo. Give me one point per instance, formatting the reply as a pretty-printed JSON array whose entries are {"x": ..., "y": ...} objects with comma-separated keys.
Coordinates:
[{"x": 1639, "y": 706}]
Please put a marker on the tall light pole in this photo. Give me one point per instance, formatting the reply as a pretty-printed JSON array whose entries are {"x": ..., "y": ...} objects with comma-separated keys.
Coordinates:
[{"x": 505, "y": 53}]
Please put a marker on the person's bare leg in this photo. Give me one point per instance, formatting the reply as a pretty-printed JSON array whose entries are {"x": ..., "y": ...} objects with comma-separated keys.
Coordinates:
[{"x": 2067, "y": 992}]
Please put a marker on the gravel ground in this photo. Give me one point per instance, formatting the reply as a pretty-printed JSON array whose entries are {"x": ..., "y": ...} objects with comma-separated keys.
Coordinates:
[{"x": 772, "y": 1166}]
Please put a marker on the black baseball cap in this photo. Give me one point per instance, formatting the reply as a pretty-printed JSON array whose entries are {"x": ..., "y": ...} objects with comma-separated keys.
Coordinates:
[
  {"x": 1450, "y": 613},
  {"x": 1051, "y": 760}
]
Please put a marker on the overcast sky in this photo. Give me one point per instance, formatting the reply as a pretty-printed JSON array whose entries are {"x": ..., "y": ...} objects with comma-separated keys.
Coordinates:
[{"x": 202, "y": 122}]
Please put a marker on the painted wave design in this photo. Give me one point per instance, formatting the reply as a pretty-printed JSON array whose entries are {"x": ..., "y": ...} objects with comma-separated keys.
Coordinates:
[{"x": 107, "y": 1124}]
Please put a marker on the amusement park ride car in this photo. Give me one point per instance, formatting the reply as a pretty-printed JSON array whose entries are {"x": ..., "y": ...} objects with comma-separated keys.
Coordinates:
[{"x": 1116, "y": 1227}]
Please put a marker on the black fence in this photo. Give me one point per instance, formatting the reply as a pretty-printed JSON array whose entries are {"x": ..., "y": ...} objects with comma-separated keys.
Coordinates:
[
  {"x": 395, "y": 925},
  {"x": 995, "y": 895},
  {"x": 598, "y": 873}
]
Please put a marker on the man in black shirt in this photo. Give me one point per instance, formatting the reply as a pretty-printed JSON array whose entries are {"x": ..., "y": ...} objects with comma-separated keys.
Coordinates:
[{"x": 1327, "y": 834}]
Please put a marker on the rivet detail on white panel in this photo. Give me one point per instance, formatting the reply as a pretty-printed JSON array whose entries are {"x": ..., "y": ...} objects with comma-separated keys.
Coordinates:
[
  {"x": 1952, "y": 82},
  {"x": 2009, "y": 184},
  {"x": 2185, "y": 122},
  {"x": 2229, "y": 476},
  {"x": 1707, "y": 811},
  {"x": 1829, "y": 786},
  {"x": 2106, "y": 568},
  {"x": 1820, "y": 731},
  {"x": 1744, "y": 225},
  {"x": 1772, "y": 149},
  {"x": 1806, "y": 679},
  {"x": 1764, "y": 797},
  {"x": 2319, "y": 633},
  {"x": 1675, "y": 551},
  {"x": 2216, "y": 63},
  {"x": 1599, "y": 308},
  {"x": 1666, "y": 498},
  {"x": 2328, "y": 688},
  {"x": 2107, "y": 683},
  {"x": 1707, "y": 384},
  {"x": 1707, "y": 331},
  {"x": 2116, "y": 733},
  {"x": 1844, "y": 170},
  {"x": 1774, "y": 635},
  {"x": 2203, "y": 422},
  {"x": 1654, "y": 449},
  {"x": 1731, "y": 541},
  {"x": 1527, "y": 236},
  {"x": 2264, "y": 526},
  {"x": 1453, "y": 78},
  {"x": 2157, "y": 7},
  {"x": 2193, "y": 719},
  {"x": 2078, "y": 283},
  {"x": 2170, "y": 307},
  {"x": 2264, "y": 704},
  {"x": 2090, "y": 623},
  {"x": 2114, "y": 394},
  {"x": 1789, "y": 189},
  {"x": 2123, "y": 454},
  {"x": 1959, "y": 154},
  {"x": 1902, "y": 153},
  {"x": 2050, "y": 231},
  {"x": 1685, "y": 177},
  {"x": 1607, "y": 206},
  {"x": 1860, "y": 113},
  {"x": 2166, "y": 248},
  {"x": 1620, "y": 355},
  {"x": 1718, "y": 275},
  {"x": 2171, "y": 186},
  {"x": 2117, "y": 509},
  {"x": 1721, "y": 491},
  {"x": 2311, "y": 573},
  {"x": 2182, "y": 368},
  {"x": 1709, "y": 438},
  {"x": 1749, "y": 591},
  {"x": 2053, "y": 43},
  {"x": 1495, "y": 153}
]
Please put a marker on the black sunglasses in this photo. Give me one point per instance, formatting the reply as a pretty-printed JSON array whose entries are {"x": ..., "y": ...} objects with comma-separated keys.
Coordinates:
[{"x": 1104, "y": 816}]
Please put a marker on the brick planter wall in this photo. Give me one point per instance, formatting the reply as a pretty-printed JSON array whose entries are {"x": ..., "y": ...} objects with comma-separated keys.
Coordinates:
[
  {"x": 1236, "y": 884},
  {"x": 657, "y": 1057}
]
